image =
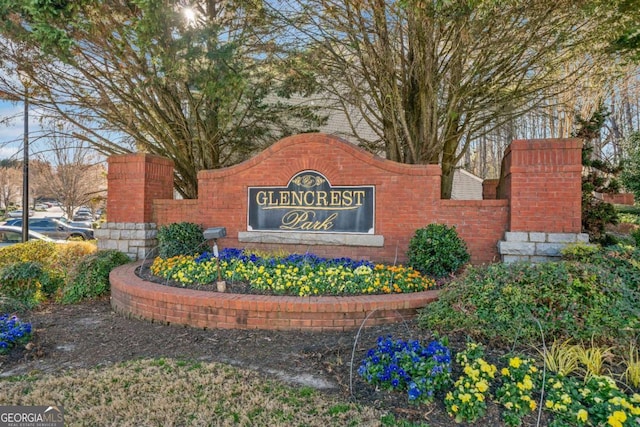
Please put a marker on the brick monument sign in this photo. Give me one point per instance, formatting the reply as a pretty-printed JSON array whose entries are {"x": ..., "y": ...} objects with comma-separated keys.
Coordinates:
[{"x": 320, "y": 194}]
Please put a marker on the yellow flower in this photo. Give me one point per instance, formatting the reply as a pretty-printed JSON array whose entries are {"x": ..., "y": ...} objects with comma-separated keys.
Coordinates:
[
  {"x": 617, "y": 418},
  {"x": 532, "y": 405},
  {"x": 482, "y": 386},
  {"x": 613, "y": 422},
  {"x": 508, "y": 405},
  {"x": 582, "y": 415},
  {"x": 454, "y": 408},
  {"x": 465, "y": 397},
  {"x": 515, "y": 362},
  {"x": 548, "y": 404},
  {"x": 505, "y": 372}
]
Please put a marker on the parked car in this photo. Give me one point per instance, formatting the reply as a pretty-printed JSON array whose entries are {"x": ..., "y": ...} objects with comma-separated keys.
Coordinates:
[
  {"x": 10, "y": 235},
  {"x": 83, "y": 217},
  {"x": 80, "y": 224},
  {"x": 83, "y": 214},
  {"x": 18, "y": 213},
  {"x": 55, "y": 229}
]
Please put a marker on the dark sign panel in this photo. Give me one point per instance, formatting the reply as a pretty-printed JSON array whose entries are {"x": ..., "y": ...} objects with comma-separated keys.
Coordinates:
[{"x": 310, "y": 204}]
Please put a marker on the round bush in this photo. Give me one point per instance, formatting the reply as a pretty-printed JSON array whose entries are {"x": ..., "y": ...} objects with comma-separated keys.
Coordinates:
[
  {"x": 437, "y": 250},
  {"x": 91, "y": 276},
  {"x": 182, "y": 238}
]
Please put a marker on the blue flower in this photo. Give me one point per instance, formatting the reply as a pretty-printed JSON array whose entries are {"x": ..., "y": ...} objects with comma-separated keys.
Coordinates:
[{"x": 414, "y": 391}]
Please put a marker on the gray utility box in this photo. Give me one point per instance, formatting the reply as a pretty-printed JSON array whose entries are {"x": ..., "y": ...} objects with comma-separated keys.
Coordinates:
[{"x": 214, "y": 233}]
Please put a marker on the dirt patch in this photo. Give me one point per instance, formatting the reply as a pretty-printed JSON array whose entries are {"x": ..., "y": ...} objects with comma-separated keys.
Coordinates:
[{"x": 90, "y": 335}]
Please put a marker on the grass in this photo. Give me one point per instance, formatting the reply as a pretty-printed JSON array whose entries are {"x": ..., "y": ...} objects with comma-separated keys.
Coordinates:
[{"x": 166, "y": 392}]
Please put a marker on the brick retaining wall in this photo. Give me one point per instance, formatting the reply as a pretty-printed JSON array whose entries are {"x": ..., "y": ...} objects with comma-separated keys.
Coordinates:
[{"x": 133, "y": 296}]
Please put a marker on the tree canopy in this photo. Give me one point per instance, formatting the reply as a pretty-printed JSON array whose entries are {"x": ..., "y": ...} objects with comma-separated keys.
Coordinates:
[
  {"x": 206, "y": 83},
  {"x": 203, "y": 83},
  {"x": 430, "y": 77}
]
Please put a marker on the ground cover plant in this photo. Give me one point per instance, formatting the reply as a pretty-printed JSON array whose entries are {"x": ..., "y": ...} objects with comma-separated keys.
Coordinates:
[
  {"x": 518, "y": 303},
  {"x": 293, "y": 274}
]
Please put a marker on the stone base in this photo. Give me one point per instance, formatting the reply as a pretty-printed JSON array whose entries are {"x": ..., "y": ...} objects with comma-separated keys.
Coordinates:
[
  {"x": 536, "y": 246},
  {"x": 291, "y": 238},
  {"x": 137, "y": 240}
]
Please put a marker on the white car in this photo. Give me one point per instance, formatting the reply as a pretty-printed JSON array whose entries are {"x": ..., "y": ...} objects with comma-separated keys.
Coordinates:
[{"x": 18, "y": 213}]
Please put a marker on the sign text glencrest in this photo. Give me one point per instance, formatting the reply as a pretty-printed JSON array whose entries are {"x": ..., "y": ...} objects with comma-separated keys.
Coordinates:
[{"x": 310, "y": 204}]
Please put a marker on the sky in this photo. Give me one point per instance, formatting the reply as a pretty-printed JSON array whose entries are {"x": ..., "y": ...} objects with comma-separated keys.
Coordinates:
[{"x": 12, "y": 133}]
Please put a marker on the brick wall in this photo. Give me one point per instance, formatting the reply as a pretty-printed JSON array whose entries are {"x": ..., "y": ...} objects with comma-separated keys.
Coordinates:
[
  {"x": 542, "y": 180},
  {"x": 135, "y": 180},
  {"x": 619, "y": 199},
  {"x": 490, "y": 189},
  {"x": 540, "y": 191}
]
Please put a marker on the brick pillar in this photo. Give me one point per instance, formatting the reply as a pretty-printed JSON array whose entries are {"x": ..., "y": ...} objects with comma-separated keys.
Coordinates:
[
  {"x": 490, "y": 189},
  {"x": 543, "y": 182},
  {"x": 545, "y": 177},
  {"x": 134, "y": 181}
]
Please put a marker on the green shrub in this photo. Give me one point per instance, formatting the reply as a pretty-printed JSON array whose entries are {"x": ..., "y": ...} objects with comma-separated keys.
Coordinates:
[
  {"x": 582, "y": 252},
  {"x": 506, "y": 302},
  {"x": 437, "y": 250},
  {"x": 624, "y": 262},
  {"x": 22, "y": 281},
  {"x": 33, "y": 250},
  {"x": 91, "y": 276},
  {"x": 183, "y": 238}
]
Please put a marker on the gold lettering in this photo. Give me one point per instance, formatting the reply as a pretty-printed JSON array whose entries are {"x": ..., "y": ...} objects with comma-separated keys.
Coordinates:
[
  {"x": 272, "y": 202},
  {"x": 327, "y": 224},
  {"x": 335, "y": 198},
  {"x": 359, "y": 196},
  {"x": 347, "y": 198},
  {"x": 284, "y": 198},
  {"x": 321, "y": 198},
  {"x": 307, "y": 201},
  {"x": 293, "y": 220},
  {"x": 261, "y": 198},
  {"x": 296, "y": 198},
  {"x": 305, "y": 220}
]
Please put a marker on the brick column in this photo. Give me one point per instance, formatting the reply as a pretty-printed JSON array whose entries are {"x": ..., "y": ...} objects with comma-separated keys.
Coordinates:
[
  {"x": 134, "y": 181},
  {"x": 543, "y": 181}
]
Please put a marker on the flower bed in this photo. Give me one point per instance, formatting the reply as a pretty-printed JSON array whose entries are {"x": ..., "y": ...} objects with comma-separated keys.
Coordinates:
[
  {"x": 425, "y": 373},
  {"x": 134, "y": 296},
  {"x": 301, "y": 275}
]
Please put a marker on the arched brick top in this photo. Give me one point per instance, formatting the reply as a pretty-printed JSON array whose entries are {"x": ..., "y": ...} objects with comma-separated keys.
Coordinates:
[{"x": 317, "y": 151}]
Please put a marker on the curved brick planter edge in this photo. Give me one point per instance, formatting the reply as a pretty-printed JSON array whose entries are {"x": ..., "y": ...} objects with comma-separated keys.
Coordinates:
[{"x": 135, "y": 297}]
